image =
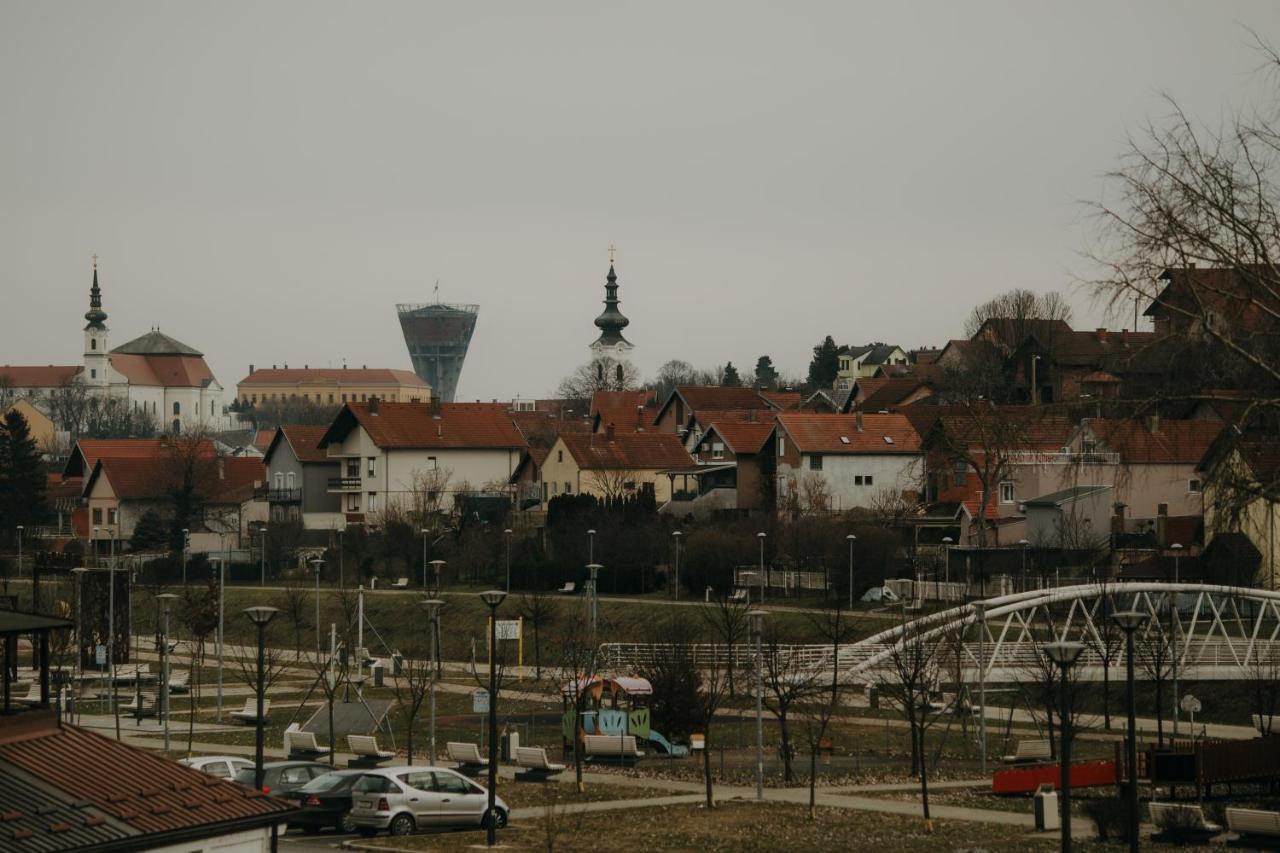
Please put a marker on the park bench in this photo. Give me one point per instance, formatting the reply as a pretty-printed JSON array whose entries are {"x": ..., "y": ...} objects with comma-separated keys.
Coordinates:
[
  {"x": 739, "y": 596},
  {"x": 1271, "y": 724},
  {"x": 618, "y": 747},
  {"x": 1182, "y": 819},
  {"x": 178, "y": 681},
  {"x": 1029, "y": 751},
  {"x": 401, "y": 583},
  {"x": 568, "y": 588},
  {"x": 534, "y": 764},
  {"x": 249, "y": 713},
  {"x": 365, "y": 749},
  {"x": 141, "y": 704},
  {"x": 301, "y": 745},
  {"x": 1253, "y": 822},
  {"x": 32, "y": 697},
  {"x": 467, "y": 755}
]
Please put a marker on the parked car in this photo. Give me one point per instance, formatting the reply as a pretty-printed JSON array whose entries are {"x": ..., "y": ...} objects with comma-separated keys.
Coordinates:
[
  {"x": 222, "y": 766},
  {"x": 402, "y": 800},
  {"x": 325, "y": 801},
  {"x": 282, "y": 777}
]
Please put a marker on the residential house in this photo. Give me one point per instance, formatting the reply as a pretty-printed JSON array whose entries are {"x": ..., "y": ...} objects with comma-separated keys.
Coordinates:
[
  {"x": 687, "y": 403},
  {"x": 1242, "y": 299},
  {"x": 331, "y": 386},
  {"x": 884, "y": 394},
  {"x": 614, "y": 465},
  {"x": 298, "y": 472},
  {"x": 1075, "y": 518},
  {"x": 837, "y": 462},
  {"x": 856, "y": 362},
  {"x": 1241, "y": 472},
  {"x": 417, "y": 455},
  {"x": 736, "y": 466},
  {"x": 49, "y": 440},
  {"x": 625, "y": 411}
]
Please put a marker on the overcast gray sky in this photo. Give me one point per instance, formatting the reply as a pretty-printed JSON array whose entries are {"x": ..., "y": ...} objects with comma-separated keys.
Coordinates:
[{"x": 265, "y": 180}]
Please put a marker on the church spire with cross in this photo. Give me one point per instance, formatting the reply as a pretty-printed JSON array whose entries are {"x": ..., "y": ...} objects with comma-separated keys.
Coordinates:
[
  {"x": 611, "y": 321},
  {"x": 95, "y": 315}
]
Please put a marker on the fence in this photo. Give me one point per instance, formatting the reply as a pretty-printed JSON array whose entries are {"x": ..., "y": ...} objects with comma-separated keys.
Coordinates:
[{"x": 788, "y": 581}]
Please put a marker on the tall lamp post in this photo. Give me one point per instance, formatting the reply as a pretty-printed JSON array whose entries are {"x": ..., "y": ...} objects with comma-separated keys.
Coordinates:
[
  {"x": 760, "y": 537},
  {"x": 1130, "y": 621},
  {"x": 166, "y": 601},
  {"x": 433, "y": 606},
  {"x": 436, "y": 566},
  {"x": 756, "y": 618},
  {"x": 1064, "y": 654},
  {"x": 592, "y": 599},
  {"x": 851, "y": 539},
  {"x": 1024, "y": 543},
  {"x": 342, "y": 560},
  {"x": 675, "y": 535},
  {"x": 79, "y": 572},
  {"x": 1173, "y": 630},
  {"x": 318, "y": 563},
  {"x": 591, "y": 546},
  {"x": 222, "y": 603},
  {"x": 947, "y": 542},
  {"x": 507, "y": 534},
  {"x": 492, "y": 598},
  {"x": 260, "y": 616},
  {"x": 186, "y": 546},
  {"x": 424, "y": 559},
  {"x": 980, "y": 608},
  {"x": 20, "y": 561},
  {"x": 263, "y": 533}
]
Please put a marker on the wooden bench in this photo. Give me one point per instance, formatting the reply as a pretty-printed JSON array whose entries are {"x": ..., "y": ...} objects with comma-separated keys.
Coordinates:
[
  {"x": 249, "y": 713},
  {"x": 568, "y": 588},
  {"x": 1029, "y": 751},
  {"x": 1182, "y": 819},
  {"x": 1253, "y": 822},
  {"x": 618, "y": 747},
  {"x": 302, "y": 745},
  {"x": 32, "y": 697},
  {"x": 740, "y": 596},
  {"x": 401, "y": 583},
  {"x": 365, "y": 749},
  {"x": 534, "y": 764},
  {"x": 178, "y": 681},
  {"x": 467, "y": 756},
  {"x": 141, "y": 704}
]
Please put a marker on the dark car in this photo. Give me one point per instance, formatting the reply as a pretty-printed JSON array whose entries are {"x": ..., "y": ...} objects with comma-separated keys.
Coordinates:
[
  {"x": 325, "y": 801},
  {"x": 282, "y": 777}
]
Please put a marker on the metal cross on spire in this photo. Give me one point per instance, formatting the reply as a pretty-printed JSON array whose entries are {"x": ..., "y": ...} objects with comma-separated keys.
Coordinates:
[
  {"x": 611, "y": 251},
  {"x": 95, "y": 260}
]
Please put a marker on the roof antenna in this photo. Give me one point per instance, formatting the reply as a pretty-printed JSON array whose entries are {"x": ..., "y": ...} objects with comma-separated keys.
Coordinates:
[{"x": 437, "y": 291}]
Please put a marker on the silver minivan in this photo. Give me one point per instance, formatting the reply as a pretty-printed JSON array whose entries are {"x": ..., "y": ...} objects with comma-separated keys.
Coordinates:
[{"x": 402, "y": 800}]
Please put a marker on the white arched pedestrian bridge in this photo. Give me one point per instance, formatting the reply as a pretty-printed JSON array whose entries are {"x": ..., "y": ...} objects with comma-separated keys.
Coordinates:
[{"x": 1216, "y": 633}]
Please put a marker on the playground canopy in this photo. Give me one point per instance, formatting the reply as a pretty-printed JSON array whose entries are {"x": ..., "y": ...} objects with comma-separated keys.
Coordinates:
[{"x": 597, "y": 684}]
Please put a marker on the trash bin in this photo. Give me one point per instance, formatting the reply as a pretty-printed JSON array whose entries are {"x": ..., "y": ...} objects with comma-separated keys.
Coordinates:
[
  {"x": 510, "y": 743},
  {"x": 1046, "y": 803},
  {"x": 378, "y": 671}
]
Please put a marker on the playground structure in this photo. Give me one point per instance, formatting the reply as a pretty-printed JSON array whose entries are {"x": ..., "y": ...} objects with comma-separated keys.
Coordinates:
[{"x": 616, "y": 705}]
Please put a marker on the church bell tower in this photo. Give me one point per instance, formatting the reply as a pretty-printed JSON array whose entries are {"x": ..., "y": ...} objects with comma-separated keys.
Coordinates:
[{"x": 95, "y": 336}]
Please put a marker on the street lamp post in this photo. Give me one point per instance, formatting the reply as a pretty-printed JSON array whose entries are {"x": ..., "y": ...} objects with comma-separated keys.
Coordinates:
[
  {"x": 761, "y": 537},
  {"x": 851, "y": 539},
  {"x": 79, "y": 572},
  {"x": 222, "y": 604},
  {"x": 186, "y": 546},
  {"x": 946, "y": 566},
  {"x": 424, "y": 559},
  {"x": 111, "y": 632},
  {"x": 980, "y": 608},
  {"x": 1024, "y": 543},
  {"x": 1064, "y": 654},
  {"x": 592, "y": 599},
  {"x": 492, "y": 598},
  {"x": 676, "y": 534},
  {"x": 166, "y": 600},
  {"x": 342, "y": 559},
  {"x": 1130, "y": 621},
  {"x": 263, "y": 534},
  {"x": 507, "y": 533},
  {"x": 436, "y": 566},
  {"x": 260, "y": 616},
  {"x": 319, "y": 566},
  {"x": 591, "y": 546},
  {"x": 433, "y": 606},
  {"x": 756, "y": 618},
  {"x": 1173, "y": 630}
]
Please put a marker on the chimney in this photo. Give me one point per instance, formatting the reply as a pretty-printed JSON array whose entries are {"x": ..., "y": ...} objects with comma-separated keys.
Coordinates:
[
  {"x": 1102, "y": 335},
  {"x": 1153, "y": 424},
  {"x": 251, "y": 370},
  {"x": 373, "y": 405},
  {"x": 608, "y": 432},
  {"x": 306, "y": 367},
  {"x": 639, "y": 418},
  {"x": 857, "y": 419}
]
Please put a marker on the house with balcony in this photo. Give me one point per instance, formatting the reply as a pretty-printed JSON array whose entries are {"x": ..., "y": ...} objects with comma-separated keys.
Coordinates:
[
  {"x": 863, "y": 362},
  {"x": 614, "y": 465},
  {"x": 419, "y": 456},
  {"x": 733, "y": 470},
  {"x": 298, "y": 472}
]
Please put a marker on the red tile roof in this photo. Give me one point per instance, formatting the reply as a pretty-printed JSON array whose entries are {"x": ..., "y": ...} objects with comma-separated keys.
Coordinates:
[
  {"x": 333, "y": 376},
  {"x": 784, "y": 399},
  {"x": 880, "y": 434},
  {"x": 627, "y": 451},
  {"x": 171, "y": 371},
  {"x": 238, "y": 477},
  {"x": 304, "y": 441},
  {"x": 1174, "y": 442},
  {"x": 88, "y": 451},
  {"x": 148, "y": 794},
  {"x": 1244, "y": 297},
  {"x": 900, "y": 390},
  {"x": 262, "y": 439},
  {"x": 413, "y": 425},
  {"x": 38, "y": 376},
  {"x": 700, "y": 397},
  {"x": 1029, "y": 426},
  {"x": 744, "y": 437}
]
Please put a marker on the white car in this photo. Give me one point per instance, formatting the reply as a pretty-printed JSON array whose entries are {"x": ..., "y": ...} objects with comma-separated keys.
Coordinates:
[
  {"x": 222, "y": 766},
  {"x": 402, "y": 800}
]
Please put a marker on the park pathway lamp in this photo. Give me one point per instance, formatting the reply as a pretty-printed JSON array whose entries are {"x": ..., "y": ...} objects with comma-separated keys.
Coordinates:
[
  {"x": 78, "y": 669},
  {"x": 756, "y": 620},
  {"x": 318, "y": 565},
  {"x": 222, "y": 631},
  {"x": 263, "y": 533},
  {"x": 761, "y": 536},
  {"x": 1130, "y": 621},
  {"x": 591, "y": 546},
  {"x": 593, "y": 600},
  {"x": 1064, "y": 655},
  {"x": 432, "y": 606},
  {"x": 980, "y": 608},
  {"x": 675, "y": 535},
  {"x": 851, "y": 539},
  {"x": 166, "y": 600},
  {"x": 1173, "y": 631},
  {"x": 20, "y": 528},
  {"x": 342, "y": 559},
  {"x": 261, "y": 617},
  {"x": 1024, "y": 543},
  {"x": 507, "y": 534},
  {"x": 436, "y": 566},
  {"x": 424, "y": 559},
  {"x": 492, "y": 598}
]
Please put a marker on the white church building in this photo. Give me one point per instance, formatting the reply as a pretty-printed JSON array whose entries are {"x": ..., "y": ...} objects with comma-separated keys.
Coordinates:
[{"x": 154, "y": 373}]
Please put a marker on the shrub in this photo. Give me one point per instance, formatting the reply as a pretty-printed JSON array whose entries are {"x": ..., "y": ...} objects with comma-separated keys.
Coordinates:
[{"x": 1108, "y": 816}]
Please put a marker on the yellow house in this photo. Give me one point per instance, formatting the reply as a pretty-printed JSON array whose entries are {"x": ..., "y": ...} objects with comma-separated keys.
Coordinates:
[
  {"x": 613, "y": 464},
  {"x": 331, "y": 386},
  {"x": 41, "y": 425},
  {"x": 1240, "y": 474}
]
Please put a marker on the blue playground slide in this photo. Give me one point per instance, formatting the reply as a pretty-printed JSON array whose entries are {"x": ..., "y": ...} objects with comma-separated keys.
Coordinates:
[{"x": 666, "y": 746}]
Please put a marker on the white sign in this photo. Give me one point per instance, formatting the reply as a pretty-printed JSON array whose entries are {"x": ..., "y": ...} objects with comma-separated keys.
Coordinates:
[
  {"x": 480, "y": 702},
  {"x": 508, "y": 629},
  {"x": 100, "y": 655},
  {"x": 1190, "y": 704}
]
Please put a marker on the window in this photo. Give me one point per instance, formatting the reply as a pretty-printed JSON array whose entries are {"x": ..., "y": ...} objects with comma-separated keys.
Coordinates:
[
  {"x": 815, "y": 462},
  {"x": 375, "y": 785},
  {"x": 959, "y": 472},
  {"x": 432, "y": 461},
  {"x": 544, "y": 491},
  {"x": 1162, "y": 509},
  {"x": 373, "y": 466},
  {"x": 782, "y": 446},
  {"x": 353, "y": 502},
  {"x": 177, "y": 408},
  {"x": 353, "y": 467},
  {"x": 93, "y": 374},
  {"x": 279, "y": 478},
  {"x": 330, "y": 398},
  {"x": 868, "y": 480},
  {"x": 344, "y": 398},
  {"x": 717, "y": 450},
  {"x": 373, "y": 502},
  {"x": 559, "y": 455},
  {"x": 93, "y": 343},
  {"x": 857, "y": 479},
  {"x": 290, "y": 480},
  {"x": 447, "y": 783},
  {"x": 1193, "y": 486},
  {"x": 629, "y": 485},
  {"x": 568, "y": 487},
  {"x": 1006, "y": 492},
  {"x": 97, "y": 515}
]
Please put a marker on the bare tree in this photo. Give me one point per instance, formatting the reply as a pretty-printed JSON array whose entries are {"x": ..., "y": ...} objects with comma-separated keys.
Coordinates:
[
  {"x": 789, "y": 681},
  {"x": 1264, "y": 685},
  {"x": 836, "y": 628},
  {"x": 199, "y": 612},
  {"x": 539, "y": 611},
  {"x": 1154, "y": 652},
  {"x": 728, "y": 619},
  {"x": 411, "y": 689},
  {"x": 599, "y": 374},
  {"x": 1106, "y": 640},
  {"x": 295, "y": 602},
  {"x": 578, "y": 664}
]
